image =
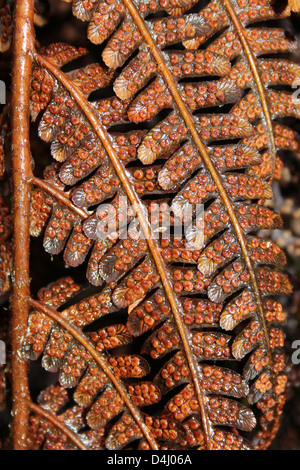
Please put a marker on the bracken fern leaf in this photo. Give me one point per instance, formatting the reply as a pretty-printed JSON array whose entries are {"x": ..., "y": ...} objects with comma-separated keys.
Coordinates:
[{"x": 191, "y": 121}]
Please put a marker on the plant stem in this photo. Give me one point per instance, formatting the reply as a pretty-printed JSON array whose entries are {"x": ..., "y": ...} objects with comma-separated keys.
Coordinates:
[{"x": 21, "y": 159}]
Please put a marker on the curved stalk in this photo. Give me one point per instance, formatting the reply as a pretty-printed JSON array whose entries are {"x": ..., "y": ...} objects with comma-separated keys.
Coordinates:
[{"x": 259, "y": 84}]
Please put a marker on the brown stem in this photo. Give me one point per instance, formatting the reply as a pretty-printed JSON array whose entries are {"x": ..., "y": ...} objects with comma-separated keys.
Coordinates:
[{"x": 21, "y": 161}]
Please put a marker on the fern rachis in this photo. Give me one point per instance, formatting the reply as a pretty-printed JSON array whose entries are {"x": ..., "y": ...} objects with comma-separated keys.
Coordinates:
[{"x": 208, "y": 314}]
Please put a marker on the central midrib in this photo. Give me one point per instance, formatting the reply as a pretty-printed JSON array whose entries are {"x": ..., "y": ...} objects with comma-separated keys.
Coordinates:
[
  {"x": 186, "y": 115},
  {"x": 253, "y": 66},
  {"x": 104, "y": 138}
]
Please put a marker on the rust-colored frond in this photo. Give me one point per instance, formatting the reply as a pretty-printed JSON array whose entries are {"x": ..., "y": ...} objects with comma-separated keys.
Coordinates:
[
  {"x": 166, "y": 142},
  {"x": 50, "y": 431},
  {"x": 4, "y": 139},
  {"x": 42, "y": 81},
  {"x": 100, "y": 394},
  {"x": 5, "y": 25}
]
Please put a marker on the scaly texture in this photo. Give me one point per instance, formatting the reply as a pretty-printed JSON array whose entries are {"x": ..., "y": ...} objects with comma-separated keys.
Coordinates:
[{"x": 166, "y": 143}]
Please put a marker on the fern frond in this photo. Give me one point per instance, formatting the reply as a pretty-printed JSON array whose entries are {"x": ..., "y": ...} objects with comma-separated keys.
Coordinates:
[
  {"x": 100, "y": 393},
  {"x": 173, "y": 149}
]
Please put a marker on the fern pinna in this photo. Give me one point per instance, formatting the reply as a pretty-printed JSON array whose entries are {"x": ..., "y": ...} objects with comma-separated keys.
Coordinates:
[{"x": 193, "y": 119}]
